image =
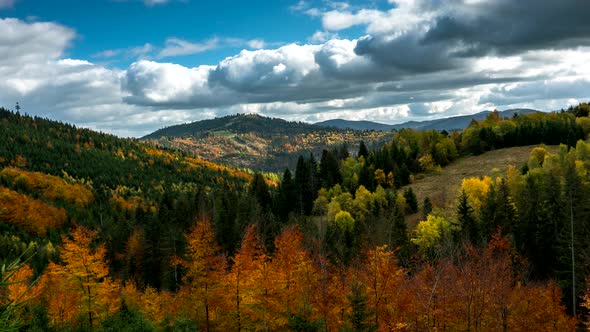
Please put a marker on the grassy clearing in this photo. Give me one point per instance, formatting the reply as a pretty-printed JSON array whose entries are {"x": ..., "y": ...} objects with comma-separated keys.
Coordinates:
[
  {"x": 223, "y": 133},
  {"x": 443, "y": 187}
]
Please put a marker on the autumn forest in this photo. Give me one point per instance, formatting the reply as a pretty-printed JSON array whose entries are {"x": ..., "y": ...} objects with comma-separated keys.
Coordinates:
[{"x": 100, "y": 233}]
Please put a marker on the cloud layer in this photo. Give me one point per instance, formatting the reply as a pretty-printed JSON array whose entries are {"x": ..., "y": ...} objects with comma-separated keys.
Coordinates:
[{"x": 417, "y": 60}]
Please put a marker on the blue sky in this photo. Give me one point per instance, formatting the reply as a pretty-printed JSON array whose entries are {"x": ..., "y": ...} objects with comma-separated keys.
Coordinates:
[
  {"x": 103, "y": 25},
  {"x": 129, "y": 67}
]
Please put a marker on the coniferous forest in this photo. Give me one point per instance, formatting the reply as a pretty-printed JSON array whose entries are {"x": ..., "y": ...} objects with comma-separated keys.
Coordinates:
[{"x": 100, "y": 233}]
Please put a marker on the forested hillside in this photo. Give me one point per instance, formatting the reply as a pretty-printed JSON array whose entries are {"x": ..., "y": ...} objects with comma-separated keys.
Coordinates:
[
  {"x": 237, "y": 124},
  {"x": 101, "y": 233},
  {"x": 260, "y": 143}
]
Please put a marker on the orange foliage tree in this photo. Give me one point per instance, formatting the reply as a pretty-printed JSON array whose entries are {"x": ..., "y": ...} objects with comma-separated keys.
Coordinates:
[
  {"x": 385, "y": 284},
  {"x": 482, "y": 292},
  {"x": 80, "y": 287},
  {"x": 17, "y": 289},
  {"x": 295, "y": 279},
  {"x": 243, "y": 283},
  {"x": 204, "y": 269},
  {"x": 32, "y": 215},
  {"x": 156, "y": 306},
  {"x": 50, "y": 187}
]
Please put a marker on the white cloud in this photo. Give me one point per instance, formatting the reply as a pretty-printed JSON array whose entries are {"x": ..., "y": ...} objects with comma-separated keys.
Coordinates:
[
  {"x": 135, "y": 52},
  {"x": 322, "y": 36},
  {"x": 256, "y": 43},
  {"x": 22, "y": 43},
  {"x": 414, "y": 62},
  {"x": 300, "y": 6},
  {"x": 176, "y": 47},
  {"x": 155, "y": 2}
]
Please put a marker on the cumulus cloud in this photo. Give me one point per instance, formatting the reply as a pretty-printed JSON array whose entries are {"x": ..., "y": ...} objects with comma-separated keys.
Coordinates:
[
  {"x": 35, "y": 74},
  {"x": 418, "y": 59},
  {"x": 37, "y": 42}
]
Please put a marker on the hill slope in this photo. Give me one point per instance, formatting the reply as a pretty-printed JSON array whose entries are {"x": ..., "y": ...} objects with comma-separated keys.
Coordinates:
[
  {"x": 258, "y": 142},
  {"x": 443, "y": 187},
  {"x": 236, "y": 124}
]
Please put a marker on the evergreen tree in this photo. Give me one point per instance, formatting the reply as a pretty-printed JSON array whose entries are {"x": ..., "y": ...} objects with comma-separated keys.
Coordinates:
[
  {"x": 329, "y": 170},
  {"x": 426, "y": 208},
  {"x": 363, "y": 151},
  {"x": 506, "y": 213},
  {"x": 343, "y": 152},
  {"x": 465, "y": 215},
  {"x": 360, "y": 318},
  {"x": 259, "y": 190},
  {"x": 287, "y": 195},
  {"x": 411, "y": 200},
  {"x": 399, "y": 238},
  {"x": 303, "y": 183},
  {"x": 487, "y": 216}
]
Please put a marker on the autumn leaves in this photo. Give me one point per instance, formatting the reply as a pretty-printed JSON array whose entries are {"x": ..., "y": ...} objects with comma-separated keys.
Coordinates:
[
  {"x": 38, "y": 215},
  {"x": 295, "y": 288}
]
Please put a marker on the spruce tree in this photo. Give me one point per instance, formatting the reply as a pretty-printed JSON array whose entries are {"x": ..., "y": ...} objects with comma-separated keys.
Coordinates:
[
  {"x": 465, "y": 215},
  {"x": 426, "y": 208},
  {"x": 411, "y": 200},
  {"x": 360, "y": 318},
  {"x": 363, "y": 151}
]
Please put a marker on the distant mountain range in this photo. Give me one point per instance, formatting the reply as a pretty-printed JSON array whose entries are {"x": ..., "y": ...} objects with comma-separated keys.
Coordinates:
[
  {"x": 451, "y": 123},
  {"x": 268, "y": 127},
  {"x": 263, "y": 143}
]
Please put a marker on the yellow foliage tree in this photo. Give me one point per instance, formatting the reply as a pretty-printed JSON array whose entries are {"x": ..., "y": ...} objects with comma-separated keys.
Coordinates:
[
  {"x": 431, "y": 232},
  {"x": 477, "y": 190},
  {"x": 204, "y": 269},
  {"x": 384, "y": 280},
  {"x": 81, "y": 287},
  {"x": 295, "y": 278},
  {"x": 32, "y": 215},
  {"x": 243, "y": 283}
]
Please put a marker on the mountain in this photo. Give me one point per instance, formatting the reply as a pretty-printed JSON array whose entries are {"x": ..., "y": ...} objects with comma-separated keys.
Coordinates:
[
  {"x": 451, "y": 123},
  {"x": 260, "y": 143},
  {"x": 236, "y": 124}
]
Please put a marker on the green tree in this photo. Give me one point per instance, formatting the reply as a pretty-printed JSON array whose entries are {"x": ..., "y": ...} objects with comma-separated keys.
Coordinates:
[
  {"x": 360, "y": 318},
  {"x": 426, "y": 207},
  {"x": 329, "y": 170},
  {"x": 259, "y": 190},
  {"x": 466, "y": 218},
  {"x": 363, "y": 151},
  {"x": 411, "y": 200}
]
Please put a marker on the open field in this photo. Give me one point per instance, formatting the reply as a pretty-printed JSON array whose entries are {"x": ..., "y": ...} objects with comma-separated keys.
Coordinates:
[{"x": 443, "y": 187}]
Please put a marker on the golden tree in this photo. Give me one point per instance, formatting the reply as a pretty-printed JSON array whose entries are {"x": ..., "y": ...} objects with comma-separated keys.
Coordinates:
[
  {"x": 81, "y": 287},
  {"x": 242, "y": 283},
  {"x": 204, "y": 270}
]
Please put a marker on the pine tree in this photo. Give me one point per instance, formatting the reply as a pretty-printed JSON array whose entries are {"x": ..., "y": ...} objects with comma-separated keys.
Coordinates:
[
  {"x": 304, "y": 185},
  {"x": 469, "y": 226},
  {"x": 363, "y": 151},
  {"x": 329, "y": 170},
  {"x": 287, "y": 195},
  {"x": 426, "y": 208},
  {"x": 259, "y": 190},
  {"x": 411, "y": 200},
  {"x": 360, "y": 318}
]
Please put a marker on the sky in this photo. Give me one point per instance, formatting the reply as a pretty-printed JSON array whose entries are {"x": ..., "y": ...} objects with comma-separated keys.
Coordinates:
[{"x": 129, "y": 67}]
